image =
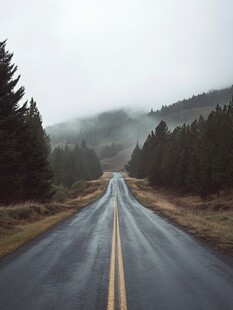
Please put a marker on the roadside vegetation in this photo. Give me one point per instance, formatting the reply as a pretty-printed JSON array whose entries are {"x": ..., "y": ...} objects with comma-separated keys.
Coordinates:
[
  {"x": 212, "y": 220},
  {"x": 196, "y": 158},
  {"x": 74, "y": 164},
  {"x": 20, "y": 223}
]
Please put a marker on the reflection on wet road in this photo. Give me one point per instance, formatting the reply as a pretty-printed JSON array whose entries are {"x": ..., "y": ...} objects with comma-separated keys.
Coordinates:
[{"x": 115, "y": 254}]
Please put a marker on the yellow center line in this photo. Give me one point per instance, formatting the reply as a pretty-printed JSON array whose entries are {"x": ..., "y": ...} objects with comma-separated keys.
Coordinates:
[
  {"x": 122, "y": 292},
  {"x": 121, "y": 277},
  {"x": 111, "y": 289}
]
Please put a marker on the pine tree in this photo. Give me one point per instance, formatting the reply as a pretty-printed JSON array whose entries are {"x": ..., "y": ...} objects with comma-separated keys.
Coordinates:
[
  {"x": 159, "y": 142},
  {"x": 38, "y": 174},
  {"x": 146, "y": 155},
  {"x": 133, "y": 165},
  {"x": 12, "y": 129},
  {"x": 71, "y": 165},
  {"x": 23, "y": 142}
]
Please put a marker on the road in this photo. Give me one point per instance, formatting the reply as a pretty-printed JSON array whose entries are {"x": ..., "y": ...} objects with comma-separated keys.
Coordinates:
[{"x": 116, "y": 254}]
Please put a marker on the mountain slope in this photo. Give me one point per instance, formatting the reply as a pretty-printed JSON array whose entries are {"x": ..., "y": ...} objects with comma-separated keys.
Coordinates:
[{"x": 125, "y": 128}]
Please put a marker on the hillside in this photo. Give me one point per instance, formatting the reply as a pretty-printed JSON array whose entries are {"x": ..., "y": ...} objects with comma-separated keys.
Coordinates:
[
  {"x": 187, "y": 110},
  {"x": 100, "y": 132},
  {"x": 124, "y": 128}
]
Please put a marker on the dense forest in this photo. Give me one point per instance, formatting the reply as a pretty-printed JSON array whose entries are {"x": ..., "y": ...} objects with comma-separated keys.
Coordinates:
[
  {"x": 25, "y": 172},
  {"x": 27, "y": 167},
  {"x": 71, "y": 165},
  {"x": 195, "y": 158}
]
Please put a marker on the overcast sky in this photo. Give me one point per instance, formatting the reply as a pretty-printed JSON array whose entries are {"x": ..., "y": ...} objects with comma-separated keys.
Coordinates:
[{"x": 79, "y": 57}]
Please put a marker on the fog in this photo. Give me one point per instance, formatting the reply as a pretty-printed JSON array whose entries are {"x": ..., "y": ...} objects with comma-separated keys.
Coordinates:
[
  {"x": 124, "y": 127},
  {"x": 79, "y": 58}
]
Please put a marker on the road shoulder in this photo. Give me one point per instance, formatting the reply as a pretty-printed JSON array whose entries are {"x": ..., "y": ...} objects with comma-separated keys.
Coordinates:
[{"x": 209, "y": 223}]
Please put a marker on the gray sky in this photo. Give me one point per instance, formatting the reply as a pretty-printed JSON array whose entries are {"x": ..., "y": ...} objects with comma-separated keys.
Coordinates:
[{"x": 79, "y": 57}]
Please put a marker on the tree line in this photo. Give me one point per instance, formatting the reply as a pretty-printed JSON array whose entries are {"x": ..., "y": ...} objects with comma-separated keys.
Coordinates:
[
  {"x": 109, "y": 151},
  {"x": 26, "y": 171},
  {"x": 24, "y": 146},
  {"x": 70, "y": 165},
  {"x": 212, "y": 98},
  {"x": 195, "y": 158}
]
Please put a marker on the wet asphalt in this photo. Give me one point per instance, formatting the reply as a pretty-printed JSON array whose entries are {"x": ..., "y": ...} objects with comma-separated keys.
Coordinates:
[{"x": 68, "y": 266}]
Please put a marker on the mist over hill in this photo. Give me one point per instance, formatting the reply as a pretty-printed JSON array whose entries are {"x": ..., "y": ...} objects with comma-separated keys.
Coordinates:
[
  {"x": 120, "y": 126},
  {"x": 186, "y": 110},
  {"x": 114, "y": 134}
]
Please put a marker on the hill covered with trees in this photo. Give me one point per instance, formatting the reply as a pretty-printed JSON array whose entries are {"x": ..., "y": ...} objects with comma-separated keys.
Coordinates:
[
  {"x": 196, "y": 158},
  {"x": 71, "y": 165},
  {"x": 113, "y": 134},
  {"x": 187, "y": 110}
]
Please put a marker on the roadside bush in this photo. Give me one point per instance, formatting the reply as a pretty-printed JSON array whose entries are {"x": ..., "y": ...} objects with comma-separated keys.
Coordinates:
[
  {"x": 77, "y": 188},
  {"x": 60, "y": 193}
]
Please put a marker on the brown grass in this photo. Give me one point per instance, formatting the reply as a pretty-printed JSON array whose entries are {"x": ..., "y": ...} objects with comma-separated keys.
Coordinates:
[
  {"x": 27, "y": 231},
  {"x": 211, "y": 221},
  {"x": 89, "y": 191},
  {"x": 22, "y": 222}
]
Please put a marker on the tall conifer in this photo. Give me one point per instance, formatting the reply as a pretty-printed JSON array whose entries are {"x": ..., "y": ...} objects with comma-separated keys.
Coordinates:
[{"x": 12, "y": 129}]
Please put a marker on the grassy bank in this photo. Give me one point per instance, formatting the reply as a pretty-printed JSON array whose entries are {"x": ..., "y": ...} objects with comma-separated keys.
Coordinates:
[
  {"x": 20, "y": 223},
  {"x": 211, "y": 221}
]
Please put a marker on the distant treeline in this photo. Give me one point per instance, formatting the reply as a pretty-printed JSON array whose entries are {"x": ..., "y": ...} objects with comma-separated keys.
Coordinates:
[
  {"x": 71, "y": 165},
  {"x": 212, "y": 98},
  {"x": 195, "y": 158},
  {"x": 124, "y": 128},
  {"x": 108, "y": 126},
  {"x": 187, "y": 110},
  {"x": 109, "y": 151}
]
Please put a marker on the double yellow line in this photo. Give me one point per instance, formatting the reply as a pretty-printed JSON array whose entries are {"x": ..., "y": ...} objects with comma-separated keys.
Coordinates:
[{"x": 116, "y": 243}]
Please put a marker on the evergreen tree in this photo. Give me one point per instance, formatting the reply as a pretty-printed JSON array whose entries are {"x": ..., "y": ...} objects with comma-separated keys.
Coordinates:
[
  {"x": 133, "y": 165},
  {"x": 38, "y": 174},
  {"x": 71, "y": 165},
  {"x": 147, "y": 151},
  {"x": 12, "y": 129},
  {"x": 159, "y": 142},
  {"x": 196, "y": 158},
  {"x": 23, "y": 143}
]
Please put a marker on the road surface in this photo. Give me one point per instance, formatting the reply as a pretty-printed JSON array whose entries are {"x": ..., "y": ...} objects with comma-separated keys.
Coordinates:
[{"x": 115, "y": 254}]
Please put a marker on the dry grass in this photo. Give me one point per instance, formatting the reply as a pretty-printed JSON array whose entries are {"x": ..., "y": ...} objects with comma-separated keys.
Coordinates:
[
  {"x": 88, "y": 191},
  {"x": 27, "y": 231},
  {"x": 211, "y": 221},
  {"x": 22, "y": 222}
]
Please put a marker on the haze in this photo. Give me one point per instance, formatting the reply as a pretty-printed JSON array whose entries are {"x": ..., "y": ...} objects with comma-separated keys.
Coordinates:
[{"x": 77, "y": 58}]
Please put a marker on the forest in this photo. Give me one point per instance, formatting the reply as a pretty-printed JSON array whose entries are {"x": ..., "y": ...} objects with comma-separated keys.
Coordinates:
[
  {"x": 27, "y": 167},
  {"x": 195, "y": 158},
  {"x": 71, "y": 165},
  {"x": 175, "y": 110}
]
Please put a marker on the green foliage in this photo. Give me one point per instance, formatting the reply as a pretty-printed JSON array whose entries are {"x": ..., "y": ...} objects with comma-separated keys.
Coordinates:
[
  {"x": 71, "y": 165},
  {"x": 197, "y": 158},
  {"x": 38, "y": 174},
  {"x": 24, "y": 169},
  {"x": 77, "y": 188},
  {"x": 60, "y": 193}
]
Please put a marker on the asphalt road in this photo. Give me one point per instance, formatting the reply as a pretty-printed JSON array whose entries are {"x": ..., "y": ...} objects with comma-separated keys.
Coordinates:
[{"x": 116, "y": 254}]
